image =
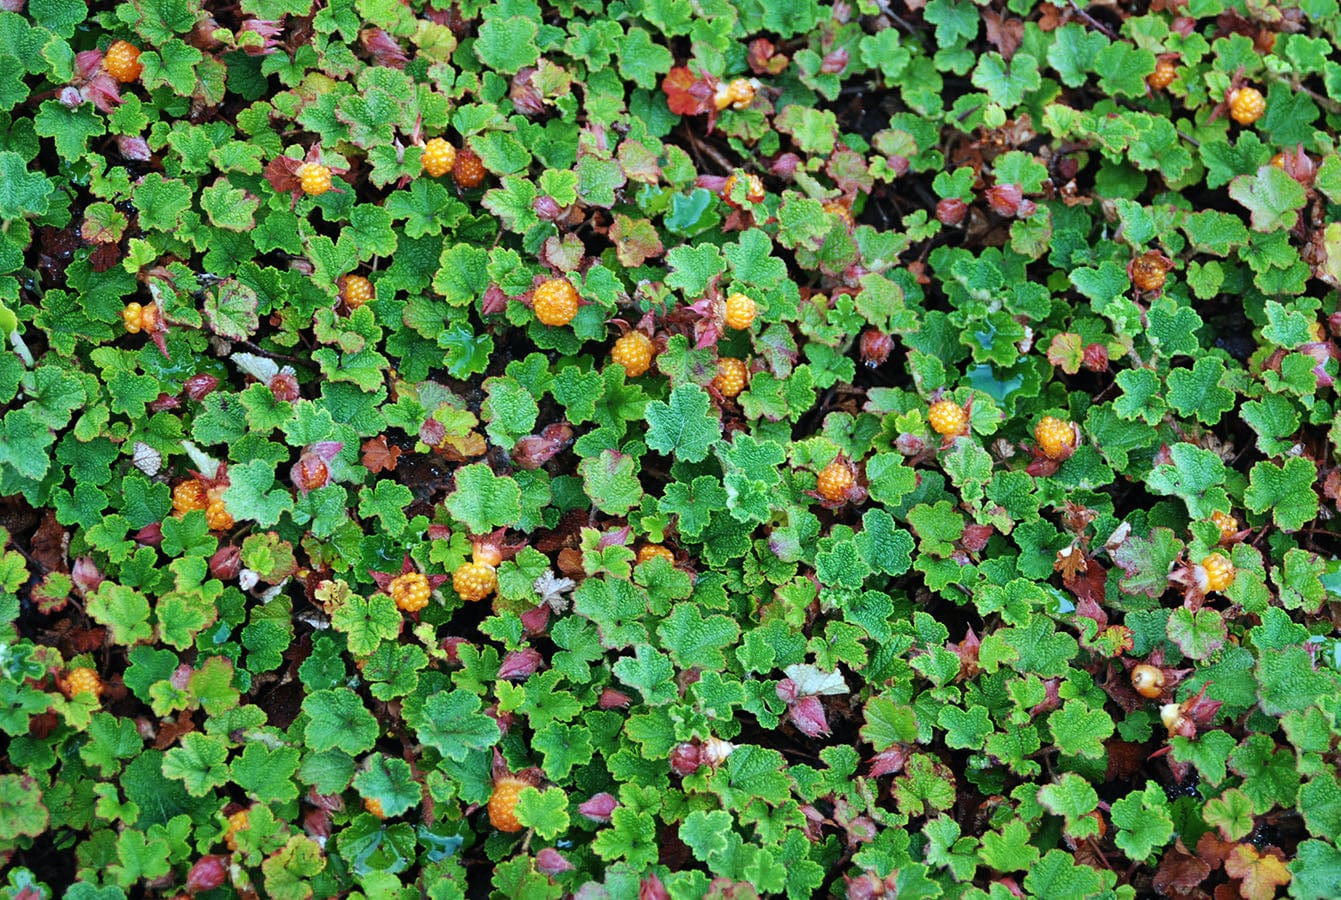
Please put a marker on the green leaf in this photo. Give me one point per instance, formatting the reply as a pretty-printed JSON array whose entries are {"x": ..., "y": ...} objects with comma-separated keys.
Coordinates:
[
  {"x": 507, "y": 44},
  {"x": 337, "y": 719},
  {"x": 1199, "y": 391},
  {"x": 695, "y": 641},
  {"x": 123, "y": 610},
  {"x": 683, "y": 428},
  {"x": 483, "y": 501},
  {"x": 252, "y": 493},
  {"x": 1007, "y": 84},
  {"x": 366, "y": 622},
  {"x": 1197, "y": 634},
  {"x": 1271, "y": 196},
  {"x": 22, "y": 193},
  {"x": 1079, "y": 730},
  {"x": 389, "y": 781},
  {"x": 545, "y": 811},
  {"x": 452, "y": 724},
  {"x": 649, "y": 672},
  {"x": 1286, "y": 491},
  {"x": 611, "y": 482}
]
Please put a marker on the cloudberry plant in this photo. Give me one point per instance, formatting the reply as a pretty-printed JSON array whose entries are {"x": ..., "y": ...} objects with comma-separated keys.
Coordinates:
[
  {"x": 188, "y": 495},
  {"x": 439, "y": 157},
  {"x": 314, "y": 178},
  {"x": 503, "y": 804},
  {"x": 122, "y": 62},
  {"x": 474, "y": 581},
  {"x": 238, "y": 821},
  {"x": 1163, "y": 76},
  {"x": 633, "y": 351},
  {"x": 555, "y": 302},
  {"x": 1246, "y": 105},
  {"x": 653, "y": 551},
  {"x": 355, "y": 290},
  {"x": 836, "y": 479},
  {"x": 948, "y": 418},
  {"x": 83, "y": 680},
  {"x": 1056, "y": 438},
  {"x": 410, "y": 591},
  {"x": 1215, "y": 573},
  {"x": 739, "y": 312},
  {"x": 1147, "y": 680},
  {"x": 468, "y": 169},
  {"x": 732, "y": 376}
]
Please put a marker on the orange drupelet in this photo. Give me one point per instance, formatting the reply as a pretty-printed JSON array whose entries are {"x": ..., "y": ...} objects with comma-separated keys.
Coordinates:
[
  {"x": 1163, "y": 76},
  {"x": 374, "y": 806},
  {"x": 474, "y": 581},
  {"x": 555, "y": 302},
  {"x": 1228, "y": 525},
  {"x": 217, "y": 516},
  {"x": 83, "y": 680},
  {"x": 238, "y": 821},
  {"x": 633, "y": 351},
  {"x": 410, "y": 591},
  {"x": 188, "y": 495},
  {"x": 654, "y": 551},
  {"x": 439, "y": 157},
  {"x": 355, "y": 290}
]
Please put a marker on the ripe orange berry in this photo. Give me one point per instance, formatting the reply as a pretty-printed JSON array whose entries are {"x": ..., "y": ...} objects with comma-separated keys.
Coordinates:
[
  {"x": 1163, "y": 76},
  {"x": 1228, "y": 525},
  {"x": 1215, "y": 573},
  {"x": 1057, "y": 439},
  {"x": 1246, "y": 105},
  {"x": 836, "y": 479},
  {"x": 1148, "y": 271},
  {"x": 555, "y": 302},
  {"x": 439, "y": 157},
  {"x": 238, "y": 821},
  {"x": 739, "y": 312},
  {"x": 374, "y": 806},
  {"x": 503, "y": 804},
  {"x": 314, "y": 178},
  {"x": 732, "y": 376},
  {"x": 83, "y": 680},
  {"x": 217, "y": 517},
  {"x": 468, "y": 169},
  {"x": 634, "y": 352},
  {"x": 1147, "y": 680},
  {"x": 474, "y": 581},
  {"x": 122, "y": 62},
  {"x": 149, "y": 318},
  {"x": 410, "y": 591},
  {"x": 1278, "y": 160},
  {"x": 652, "y": 551},
  {"x": 948, "y": 418},
  {"x": 355, "y": 290},
  {"x": 189, "y": 495},
  {"x": 130, "y": 317},
  {"x": 754, "y": 187}
]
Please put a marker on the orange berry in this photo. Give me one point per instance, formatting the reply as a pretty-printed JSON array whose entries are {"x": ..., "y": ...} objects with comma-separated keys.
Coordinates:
[
  {"x": 238, "y": 821},
  {"x": 653, "y": 551},
  {"x": 503, "y": 804},
  {"x": 410, "y": 591},
  {"x": 1215, "y": 573},
  {"x": 739, "y": 312},
  {"x": 439, "y": 157},
  {"x": 474, "y": 581},
  {"x": 150, "y": 320},
  {"x": 1278, "y": 160},
  {"x": 468, "y": 170},
  {"x": 1163, "y": 76},
  {"x": 217, "y": 517},
  {"x": 314, "y": 178},
  {"x": 754, "y": 187},
  {"x": 834, "y": 208},
  {"x": 836, "y": 479},
  {"x": 634, "y": 352},
  {"x": 189, "y": 495},
  {"x": 122, "y": 62},
  {"x": 1056, "y": 438},
  {"x": 1228, "y": 525},
  {"x": 355, "y": 290},
  {"x": 732, "y": 376},
  {"x": 948, "y": 418},
  {"x": 1246, "y": 105},
  {"x": 1147, "y": 680},
  {"x": 1148, "y": 271},
  {"x": 741, "y": 91},
  {"x": 555, "y": 302},
  {"x": 83, "y": 680},
  {"x": 130, "y": 317},
  {"x": 374, "y": 806},
  {"x": 312, "y": 472}
]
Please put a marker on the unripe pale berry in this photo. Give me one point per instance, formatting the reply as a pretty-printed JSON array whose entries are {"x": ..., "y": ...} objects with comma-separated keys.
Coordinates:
[{"x": 1147, "y": 680}]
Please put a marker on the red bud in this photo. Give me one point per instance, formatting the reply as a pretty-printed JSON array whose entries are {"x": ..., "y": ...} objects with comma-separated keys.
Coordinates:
[
  {"x": 685, "y": 759},
  {"x": 875, "y": 347},
  {"x": 208, "y": 873},
  {"x": 951, "y": 211},
  {"x": 226, "y": 563},
  {"x": 1004, "y": 199},
  {"x": 198, "y": 387}
]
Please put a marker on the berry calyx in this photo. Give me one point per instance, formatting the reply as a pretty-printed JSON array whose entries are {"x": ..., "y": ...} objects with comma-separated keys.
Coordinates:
[
  {"x": 83, "y": 680},
  {"x": 238, "y": 821},
  {"x": 555, "y": 302},
  {"x": 188, "y": 495},
  {"x": 1215, "y": 573},
  {"x": 948, "y": 418},
  {"x": 655, "y": 551},
  {"x": 410, "y": 591},
  {"x": 122, "y": 62},
  {"x": 468, "y": 169},
  {"x": 1246, "y": 105},
  {"x": 1163, "y": 76},
  {"x": 1228, "y": 525},
  {"x": 1147, "y": 680},
  {"x": 503, "y": 804},
  {"x": 314, "y": 178},
  {"x": 836, "y": 480},
  {"x": 131, "y": 316},
  {"x": 439, "y": 157},
  {"x": 633, "y": 351},
  {"x": 732, "y": 376},
  {"x": 355, "y": 290},
  {"x": 739, "y": 312},
  {"x": 474, "y": 581},
  {"x": 1056, "y": 438}
]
